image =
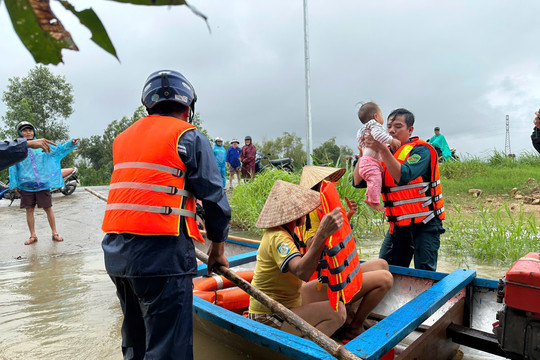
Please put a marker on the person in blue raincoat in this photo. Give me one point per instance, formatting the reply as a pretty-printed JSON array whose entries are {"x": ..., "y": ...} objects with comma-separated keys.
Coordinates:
[
  {"x": 15, "y": 151},
  {"x": 220, "y": 154},
  {"x": 438, "y": 141},
  {"x": 35, "y": 176}
]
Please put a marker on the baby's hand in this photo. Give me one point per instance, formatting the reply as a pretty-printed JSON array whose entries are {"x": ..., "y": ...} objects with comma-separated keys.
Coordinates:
[
  {"x": 75, "y": 141},
  {"x": 395, "y": 144}
]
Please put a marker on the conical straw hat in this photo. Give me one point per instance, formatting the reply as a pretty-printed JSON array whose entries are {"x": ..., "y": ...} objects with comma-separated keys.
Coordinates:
[
  {"x": 312, "y": 175},
  {"x": 287, "y": 202}
]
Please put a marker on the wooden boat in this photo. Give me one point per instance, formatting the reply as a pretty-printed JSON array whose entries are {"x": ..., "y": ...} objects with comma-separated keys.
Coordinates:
[{"x": 426, "y": 315}]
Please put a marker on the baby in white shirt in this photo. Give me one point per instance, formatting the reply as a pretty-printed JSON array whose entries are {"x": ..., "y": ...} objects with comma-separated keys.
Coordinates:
[{"x": 369, "y": 168}]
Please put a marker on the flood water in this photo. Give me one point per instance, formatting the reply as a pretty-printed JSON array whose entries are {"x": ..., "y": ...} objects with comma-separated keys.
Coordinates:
[{"x": 56, "y": 300}]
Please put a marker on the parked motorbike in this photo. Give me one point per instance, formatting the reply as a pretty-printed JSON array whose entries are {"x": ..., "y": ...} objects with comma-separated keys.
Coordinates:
[
  {"x": 281, "y": 164},
  {"x": 454, "y": 156},
  {"x": 71, "y": 180}
]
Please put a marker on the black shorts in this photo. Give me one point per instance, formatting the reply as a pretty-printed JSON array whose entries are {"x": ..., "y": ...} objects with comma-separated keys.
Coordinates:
[{"x": 42, "y": 198}]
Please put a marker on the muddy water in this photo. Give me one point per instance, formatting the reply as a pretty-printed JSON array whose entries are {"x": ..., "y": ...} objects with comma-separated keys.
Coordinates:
[{"x": 56, "y": 300}]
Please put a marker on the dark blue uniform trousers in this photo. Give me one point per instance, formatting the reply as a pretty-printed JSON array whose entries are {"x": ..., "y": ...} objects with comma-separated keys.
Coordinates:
[
  {"x": 158, "y": 319},
  {"x": 422, "y": 241}
]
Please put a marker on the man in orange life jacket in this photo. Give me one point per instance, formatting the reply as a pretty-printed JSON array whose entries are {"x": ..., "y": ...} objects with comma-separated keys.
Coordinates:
[
  {"x": 161, "y": 164},
  {"x": 412, "y": 196}
]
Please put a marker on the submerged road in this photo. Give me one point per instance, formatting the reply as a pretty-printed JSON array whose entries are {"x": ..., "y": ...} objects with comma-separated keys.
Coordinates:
[{"x": 78, "y": 221}]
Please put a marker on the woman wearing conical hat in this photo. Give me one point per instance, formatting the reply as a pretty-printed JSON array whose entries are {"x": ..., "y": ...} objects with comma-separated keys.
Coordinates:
[
  {"x": 281, "y": 270},
  {"x": 377, "y": 279},
  {"x": 312, "y": 176}
]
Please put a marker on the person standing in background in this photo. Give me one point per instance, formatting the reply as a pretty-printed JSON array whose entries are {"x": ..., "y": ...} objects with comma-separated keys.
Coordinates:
[
  {"x": 220, "y": 154},
  {"x": 247, "y": 156},
  {"x": 34, "y": 178},
  {"x": 535, "y": 137},
  {"x": 233, "y": 160}
]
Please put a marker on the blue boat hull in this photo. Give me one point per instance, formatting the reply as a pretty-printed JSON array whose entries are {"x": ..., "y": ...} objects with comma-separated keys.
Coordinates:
[{"x": 418, "y": 299}]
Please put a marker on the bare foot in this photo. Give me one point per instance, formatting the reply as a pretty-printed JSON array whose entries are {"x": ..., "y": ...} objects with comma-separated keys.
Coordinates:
[
  {"x": 351, "y": 333},
  {"x": 32, "y": 239},
  {"x": 369, "y": 323},
  {"x": 375, "y": 206},
  {"x": 57, "y": 237}
]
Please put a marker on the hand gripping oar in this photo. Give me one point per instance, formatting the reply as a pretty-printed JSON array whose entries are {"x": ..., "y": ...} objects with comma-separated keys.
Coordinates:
[{"x": 333, "y": 348}]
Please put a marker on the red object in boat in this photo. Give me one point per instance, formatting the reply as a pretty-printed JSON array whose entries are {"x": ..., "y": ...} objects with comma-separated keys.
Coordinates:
[{"x": 522, "y": 289}]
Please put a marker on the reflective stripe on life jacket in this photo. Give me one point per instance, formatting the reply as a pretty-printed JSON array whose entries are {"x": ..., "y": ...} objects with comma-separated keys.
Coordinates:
[
  {"x": 147, "y": 195},
  {"x": 342, "y": 273},
  {"x": 418, "y": 201}
]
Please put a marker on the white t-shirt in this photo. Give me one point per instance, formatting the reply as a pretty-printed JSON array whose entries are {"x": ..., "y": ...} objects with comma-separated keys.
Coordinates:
[{"x": 378, "y": 132}]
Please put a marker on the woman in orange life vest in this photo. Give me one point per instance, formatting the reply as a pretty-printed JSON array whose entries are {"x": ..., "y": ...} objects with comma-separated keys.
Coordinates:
[
  {"x": 281, "y": 270},
  {"x": 377, "y": 280}
]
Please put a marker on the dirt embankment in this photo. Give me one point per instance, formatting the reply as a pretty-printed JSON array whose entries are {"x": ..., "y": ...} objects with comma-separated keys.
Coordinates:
[{"x": 527, "y": 200}]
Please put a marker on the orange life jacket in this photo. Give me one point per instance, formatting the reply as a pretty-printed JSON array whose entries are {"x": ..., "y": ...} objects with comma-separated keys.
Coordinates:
[
  {"x": 419, "y": 200},
  {"x": 340, "y": 266},
  {"x": 147, "y": 195}
]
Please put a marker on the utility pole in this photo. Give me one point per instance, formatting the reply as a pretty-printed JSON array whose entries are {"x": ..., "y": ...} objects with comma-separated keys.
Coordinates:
[
  {"x": 309, "y": 143},
  {"x": 507, "y": 141}
]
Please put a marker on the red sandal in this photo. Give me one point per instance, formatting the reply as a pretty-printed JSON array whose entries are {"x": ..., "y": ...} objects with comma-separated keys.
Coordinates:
[
  {"x": 31, "y": 240},
  {"x": 57, "y": 237}
]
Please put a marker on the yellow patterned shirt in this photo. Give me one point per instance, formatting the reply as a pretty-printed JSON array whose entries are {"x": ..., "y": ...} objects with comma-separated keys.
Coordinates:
[{"x": 271, "y": 276}]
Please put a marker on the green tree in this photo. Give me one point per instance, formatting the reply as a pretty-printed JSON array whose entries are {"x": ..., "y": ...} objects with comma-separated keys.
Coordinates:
[
  {"x": 330, "y": 153},
  {"x": 42, "y": 98},
  {"x": 44, "y": 36},
  {"x": 287, "y": 145},
  {"x": 199, "y": 124},
  {"x": 96, "y": 164}
]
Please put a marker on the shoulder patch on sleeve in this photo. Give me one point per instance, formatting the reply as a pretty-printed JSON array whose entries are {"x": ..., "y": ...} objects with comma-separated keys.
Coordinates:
[
  {"x": 413, "y": 159},
  {"x": 283, "y": 249},
  {"x": 182, "y": 149}
]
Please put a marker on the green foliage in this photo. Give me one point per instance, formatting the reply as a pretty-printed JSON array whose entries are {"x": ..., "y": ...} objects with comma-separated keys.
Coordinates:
[
  {"x": 330, "y": 153},
  {"x": 497, "y": 175},
  {"x": 96, "y": 163},
  {"x": 198, "y": 123},
  {"x": 288, "y": 145},
  {"x": 43, "y": 34},
  {"x": 247, "y": 200},
  {"x": 490, "y": 235},
  {"x": 42, "y": 98}
]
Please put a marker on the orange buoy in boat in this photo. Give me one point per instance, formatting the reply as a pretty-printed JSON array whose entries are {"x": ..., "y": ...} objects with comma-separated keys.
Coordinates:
[{"x": 220, "y": 291}]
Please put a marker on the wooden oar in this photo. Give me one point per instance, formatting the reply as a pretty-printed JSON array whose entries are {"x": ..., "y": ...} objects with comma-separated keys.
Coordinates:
[
  {"x": 95, "y": 194},
  {"x": 238, "y": 238},
  {"x": 333, "y": 348}
]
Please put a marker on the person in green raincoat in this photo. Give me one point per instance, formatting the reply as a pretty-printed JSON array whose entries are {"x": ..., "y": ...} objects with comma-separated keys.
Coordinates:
[{"x": 439, "y": 143}]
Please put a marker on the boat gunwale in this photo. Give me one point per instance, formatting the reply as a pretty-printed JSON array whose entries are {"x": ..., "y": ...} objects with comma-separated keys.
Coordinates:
[{"x": 293, "y": 346}]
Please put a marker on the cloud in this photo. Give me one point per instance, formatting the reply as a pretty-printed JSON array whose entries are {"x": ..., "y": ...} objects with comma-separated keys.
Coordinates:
[{"x": 459, "y": 65}]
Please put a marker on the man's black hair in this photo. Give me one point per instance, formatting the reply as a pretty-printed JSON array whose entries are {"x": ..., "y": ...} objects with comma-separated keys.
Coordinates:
[
  {"x": 409, "y": 116},
  {"x": 167, "y": 107}
]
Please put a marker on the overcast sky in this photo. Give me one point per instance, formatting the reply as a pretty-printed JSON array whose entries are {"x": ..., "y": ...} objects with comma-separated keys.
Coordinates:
[{"x": 460, "y": 65}]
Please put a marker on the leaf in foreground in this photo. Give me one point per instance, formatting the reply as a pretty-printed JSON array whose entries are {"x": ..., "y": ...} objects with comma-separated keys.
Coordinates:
[{"x": 40, "y": 30}]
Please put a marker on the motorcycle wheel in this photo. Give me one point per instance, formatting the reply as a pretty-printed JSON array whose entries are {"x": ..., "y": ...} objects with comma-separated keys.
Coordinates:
[
  {"x": 288, "y": 168},
  {"x": 68, "y": 190}
]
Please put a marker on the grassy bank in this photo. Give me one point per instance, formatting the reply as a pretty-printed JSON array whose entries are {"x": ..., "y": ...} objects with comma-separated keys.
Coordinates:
[{"x": 493, "y": 227}]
